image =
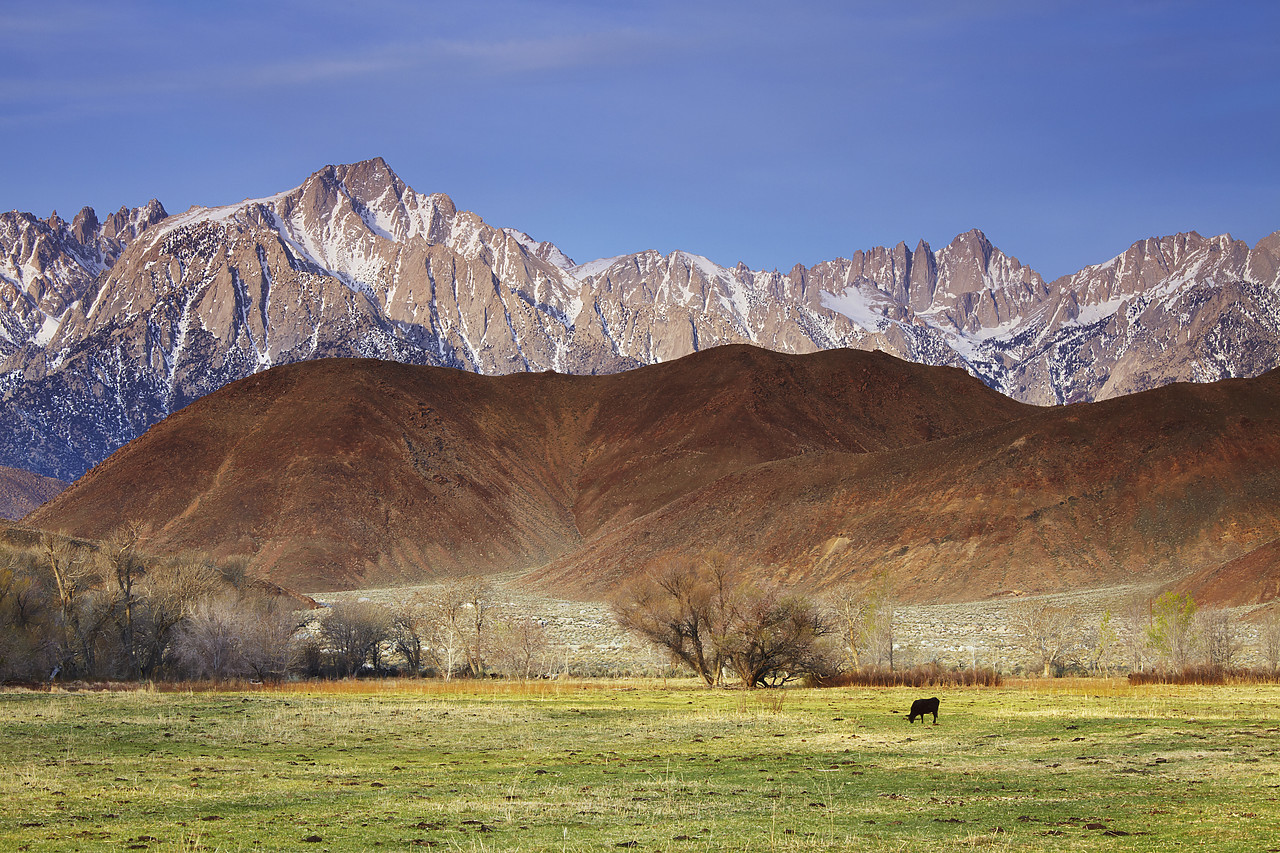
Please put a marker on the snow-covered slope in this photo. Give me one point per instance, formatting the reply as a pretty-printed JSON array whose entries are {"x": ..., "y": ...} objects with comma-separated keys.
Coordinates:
[{"x": 106, "y": 328}]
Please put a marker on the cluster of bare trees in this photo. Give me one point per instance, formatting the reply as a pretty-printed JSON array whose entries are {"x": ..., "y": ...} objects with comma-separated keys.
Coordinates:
[
  {"x": 1166, "y": 633},
  {"x": 236, "y": 636},
  {"x": 724, "y": 628},
  {"x": 864, "y": 616},
  {"x": 453, "y": 632},
  {"x": 711, "y": 619},
  {"x": 74, "y": 609},
  {"x": 720, "y": 625}
]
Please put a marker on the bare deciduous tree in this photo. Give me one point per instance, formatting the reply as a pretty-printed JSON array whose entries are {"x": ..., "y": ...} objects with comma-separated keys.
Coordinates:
[
  {"x": 1047, "y": 634},
  {"x": 1269, "y": 635},
  {"x": 1135, "y": 618},
  {"x": 673, "y": 608},
  {"x": 864, "y": 618},
  {"x": 232, "y": 635},
  {"x": 711, "y": 621},
  {"x": 28, "y": 645},
  {"x": 168, "y": 591},
  {"x": 353, "y": 633},
  {"x": 774, "y": 636},
  {"x": 84, "y": 612},
  {"x": 1219, "y": 637},
  {"x": 123, "y": 563},
  {"x": 465, "y": 605},
  {"x": 1101, "y": 644},
  {"x": 411, "y": 632},
  {"x": 442, "y": 647},
  {"x": 208, "y": 644},
  {"x": 521, "y": 644},
  {"x": 269, "y": 626}
]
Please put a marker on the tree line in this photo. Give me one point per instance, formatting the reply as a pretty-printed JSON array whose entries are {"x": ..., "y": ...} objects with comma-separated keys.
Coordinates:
[
  {"x": 74, "y": 609},
  {"x": 725, "y": 627},
  {"x": 449, "y": 633},
  {"x": 1160, "y": 636},
  {"x": 78, "y": 609}
]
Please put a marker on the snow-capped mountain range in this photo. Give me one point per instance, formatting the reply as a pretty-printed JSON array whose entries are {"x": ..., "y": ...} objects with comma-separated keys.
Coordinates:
[{"x": 107, "y": 327}]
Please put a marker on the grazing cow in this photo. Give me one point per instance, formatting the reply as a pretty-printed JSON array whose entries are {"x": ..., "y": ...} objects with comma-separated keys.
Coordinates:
[{"x": 920, "y": 707}]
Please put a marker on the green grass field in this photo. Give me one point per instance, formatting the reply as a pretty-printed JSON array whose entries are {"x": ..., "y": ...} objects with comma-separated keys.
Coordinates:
[{"x": 403, "y": 766}]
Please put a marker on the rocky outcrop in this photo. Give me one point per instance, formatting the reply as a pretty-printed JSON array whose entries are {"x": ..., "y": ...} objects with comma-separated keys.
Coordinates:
[{"x": 47, "y": 265}]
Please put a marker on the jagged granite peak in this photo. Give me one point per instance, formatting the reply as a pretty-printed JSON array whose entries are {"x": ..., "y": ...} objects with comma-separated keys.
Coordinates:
[
  {"x": 85, "y": 225},
  {"x": 1176, "y": 308},
  {"x": 107, "y": 327},
  {"x": 923, "y": 280},
  {"x": 47, "y": 265},
  {"x": 543, "y": 249},
  {"x": 350, "y": 263}
]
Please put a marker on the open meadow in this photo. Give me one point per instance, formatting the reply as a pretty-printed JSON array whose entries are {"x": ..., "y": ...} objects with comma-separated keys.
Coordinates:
[{"x": 575, "y": 766}]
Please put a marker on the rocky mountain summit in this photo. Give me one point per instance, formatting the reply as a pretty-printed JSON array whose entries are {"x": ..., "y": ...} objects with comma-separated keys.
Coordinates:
[
  {"x": 46, "y": 265},
  {"x": 107, "y": 327}
]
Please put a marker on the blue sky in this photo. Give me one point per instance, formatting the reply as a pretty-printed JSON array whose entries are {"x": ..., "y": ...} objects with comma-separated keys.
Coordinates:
[{"x": 771, "y": 133}]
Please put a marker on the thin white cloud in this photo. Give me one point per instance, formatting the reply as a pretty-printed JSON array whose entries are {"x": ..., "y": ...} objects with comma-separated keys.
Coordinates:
[
  {"x": 50, "y": 19},
  {"x": 43, "y": 100},
  {"x": 518, "y": 56},
  {"x": 307, "y": 71}
]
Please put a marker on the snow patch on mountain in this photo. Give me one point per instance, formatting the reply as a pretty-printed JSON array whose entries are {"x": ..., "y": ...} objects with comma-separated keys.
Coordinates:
[
  {"x": 548, "y": 252},
  {"x": 869, "y": 311},
  {"x": 582, "y": 272},
  {"x": 47, "y": 330}
]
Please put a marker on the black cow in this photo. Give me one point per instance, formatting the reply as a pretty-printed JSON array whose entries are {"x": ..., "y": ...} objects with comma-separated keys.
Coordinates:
[{"x": 920, "y": 707}]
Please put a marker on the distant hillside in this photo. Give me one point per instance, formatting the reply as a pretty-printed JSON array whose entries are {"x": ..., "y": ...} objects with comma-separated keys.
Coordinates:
[
  {"x": 831, "y": 467},
  {"x": 341, "y": 473},
  {"x": 22, "y": 491},
  {"x": 1252, "y": 578},
  {"x": 1150, "y": 487}
]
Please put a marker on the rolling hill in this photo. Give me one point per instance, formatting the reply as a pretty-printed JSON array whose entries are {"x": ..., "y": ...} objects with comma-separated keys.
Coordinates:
[
  {"x": 341, "y": 473},
  {"x": 840, "y": 466},
  {"x": 1156, "y": 486},
  {"x": 22, "y": 491}
]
